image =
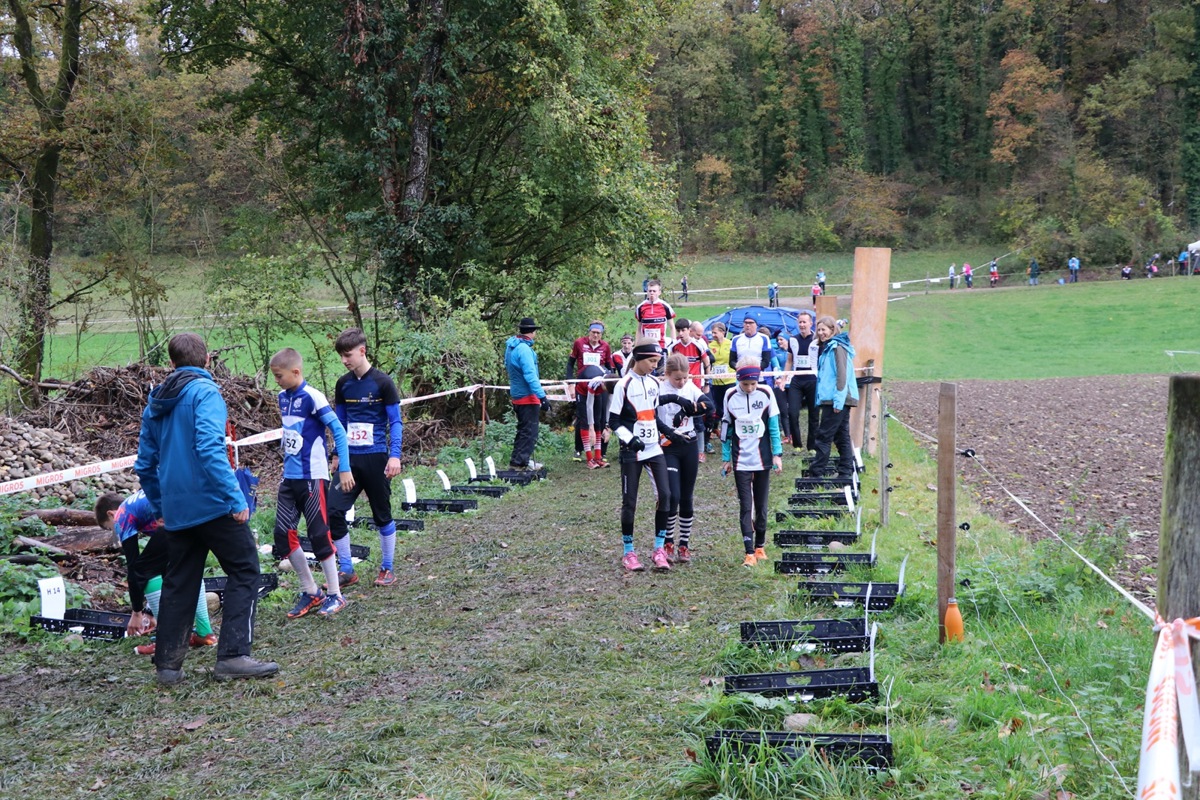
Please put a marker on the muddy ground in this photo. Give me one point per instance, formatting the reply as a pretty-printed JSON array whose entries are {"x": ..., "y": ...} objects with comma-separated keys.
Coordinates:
[{"x": 1080, "y": 452}]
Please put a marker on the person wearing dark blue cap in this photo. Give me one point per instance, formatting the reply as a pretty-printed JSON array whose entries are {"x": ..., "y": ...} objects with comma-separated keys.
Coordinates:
[{"x": 525, "y": 389}]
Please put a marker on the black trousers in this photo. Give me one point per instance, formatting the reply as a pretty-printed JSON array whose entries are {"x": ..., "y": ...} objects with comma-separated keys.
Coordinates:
[
  {"x": 683, "y": 462},
  {"x": 367, "y": 470},
  {"x": 802, "y": 394},
  {"x": 527, "y": 433},
  {"x": 236, "y": 550},
  {"x": 834, "y": 429},
  {"x": 753, "y": 486},
  {"x": 631, "y": 474},
  {"x": 781, "y": 400}
]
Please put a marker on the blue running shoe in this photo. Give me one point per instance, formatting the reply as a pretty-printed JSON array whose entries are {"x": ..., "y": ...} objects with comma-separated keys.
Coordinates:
[
  {"x": 306, "y": 603},
  {"x": 333, "y": 604}
]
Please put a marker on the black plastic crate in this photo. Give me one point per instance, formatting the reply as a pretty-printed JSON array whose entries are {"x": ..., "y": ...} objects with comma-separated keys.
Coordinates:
[
  {"x": 87, "y": 622},
  {"x": 821, "y": 563},
  {"x": 874, "y": 750},
  {"x": 410, "y": 524},
  {"x": 359, "y": 551},
  {"x": 856, "y": 684},
  {"x": 487, "y": 491},
  {"x": 822, "y": 484},
  {"x": 828, "y": 635},
  {"x": 520, "y": 477},
  {"x": 442, "y": 506},
  {"x": 808, "y": 513},
  {"x": 814, "y": 538},
  {"x": 818, "y": 498},
  {"x": 267, "y": 583}
]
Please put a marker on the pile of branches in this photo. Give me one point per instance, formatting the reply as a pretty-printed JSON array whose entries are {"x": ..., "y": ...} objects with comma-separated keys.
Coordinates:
[{"x": 103, "y": 410}]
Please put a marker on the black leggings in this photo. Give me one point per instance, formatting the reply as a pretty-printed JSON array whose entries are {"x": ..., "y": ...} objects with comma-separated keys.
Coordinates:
[
  {"x": 802, "y": 394},
  {"x": 833, "y": 430},
  {"x": 683, "y": 462},
  {"x": 752, "y": 489},
  {"x": 631, "y": 474}
]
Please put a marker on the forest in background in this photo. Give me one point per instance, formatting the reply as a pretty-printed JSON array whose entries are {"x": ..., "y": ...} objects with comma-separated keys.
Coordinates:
[
  {"x": 1057, "y": 125},
  {"x": 446, "y": 166}
]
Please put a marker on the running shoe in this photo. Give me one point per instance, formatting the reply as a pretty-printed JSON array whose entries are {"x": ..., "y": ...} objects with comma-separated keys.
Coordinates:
[
  {"x": 701, "y": 457},
  {"x": 197, "y": 640},
  {"x": 760, "y": 555},
  {"x": 344, "y": 579},
  {"x": 602, "y": 463},
  {"x": 685, "y": 555},
  {"x": 749, "y": 560},
  {"x": 386, "y": 578},
  {"x": 577, "y": 457},
  {"x": 710, "y": 448},
  {"x": 630, "y": 562},
  {"x": 661, "y": 564},
  {"x": 534, "y": 466},
  {"x": 596, "y": 465},
  {"x": 670, "y": 548},
  {"x": 333, "y": 604},
  {"x": 305, "y": 603},
  {"x": 144, "y": 649}
]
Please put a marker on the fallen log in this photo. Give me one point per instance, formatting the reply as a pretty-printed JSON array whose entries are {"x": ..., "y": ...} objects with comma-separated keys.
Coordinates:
[
  {"x": 25, "y": 541},
  {"x": 62, "y": 516}
]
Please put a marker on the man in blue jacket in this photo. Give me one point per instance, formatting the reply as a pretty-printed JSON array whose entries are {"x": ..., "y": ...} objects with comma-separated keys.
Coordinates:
[
  {"x": 525, "y": 388},
  {"x": 185, "y": 473}
]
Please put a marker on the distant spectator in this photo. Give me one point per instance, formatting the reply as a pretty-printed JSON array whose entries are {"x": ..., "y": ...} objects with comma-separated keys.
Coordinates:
[
  {"x": 821, "y": 280},
  {"x": 1127, "y": 272},
  {"x": 1032, "y": 271},
  {"x": 993, "y": 274},
  {"x": 968, "y": 276},
  {"x": 772, "y": 294},
  {"x": 683, "y": 289},
  {"x": 1183, "y": 262},
  {"x": 951, "y": 276},
  {"x": 816, "y": 292},
  {"x": 645, "y": 284},
  {"x": 1073, "y": 268}
]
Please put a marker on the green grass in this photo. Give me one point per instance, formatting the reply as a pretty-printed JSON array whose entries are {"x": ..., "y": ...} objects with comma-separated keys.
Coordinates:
[
  {"x": 1098, "y": 328},
  {"x": 514, "y": 660}
]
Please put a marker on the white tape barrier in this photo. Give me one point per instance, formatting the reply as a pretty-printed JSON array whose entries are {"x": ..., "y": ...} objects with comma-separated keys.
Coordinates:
[{"x": 1171, "y": 705}]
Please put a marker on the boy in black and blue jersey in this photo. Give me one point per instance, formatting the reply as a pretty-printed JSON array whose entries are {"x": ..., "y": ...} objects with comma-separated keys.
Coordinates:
[
  {"x": 305, "y": 414},
  {"x": 367, "y": 404}
]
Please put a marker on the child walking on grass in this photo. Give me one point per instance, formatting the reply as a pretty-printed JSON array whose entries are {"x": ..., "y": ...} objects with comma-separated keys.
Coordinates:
[
  {"x": 681, "y": 447},
  {"x": 749, "y": 440},
  {"x": 306, "y": 414}
]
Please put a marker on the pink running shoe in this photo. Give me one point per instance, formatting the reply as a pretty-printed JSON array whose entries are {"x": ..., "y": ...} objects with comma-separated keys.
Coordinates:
[
  {"x": 661, "y": 564},
  {"x": 631, "y": 563}
]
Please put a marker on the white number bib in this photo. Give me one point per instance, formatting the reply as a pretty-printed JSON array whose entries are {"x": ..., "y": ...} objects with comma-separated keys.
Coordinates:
[
  {"x": 591, "y": 359},
  {"x": 801, "y": 362},
  {"x": 360, "y": 433},
  {"x": 747, "y": 429},
  {"x": 720, "y": 369},
  {"x": 292, "y": 442},
  {"x": 646, "y": 431}
]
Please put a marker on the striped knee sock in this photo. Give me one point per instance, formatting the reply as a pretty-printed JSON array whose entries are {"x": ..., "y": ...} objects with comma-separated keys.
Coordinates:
[
  {"x": 153, "y": 593},
  {"x": 685, "y": 530},
  {"x": 387, "y": 545},
  {"x": 343, "y": 554},
  {"x": 671, "y": 520}
]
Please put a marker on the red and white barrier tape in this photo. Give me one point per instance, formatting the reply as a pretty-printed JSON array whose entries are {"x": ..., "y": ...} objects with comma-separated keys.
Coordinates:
[
  {"x": 62, "y": 476},
  {"x": 1171, "y": 705}
]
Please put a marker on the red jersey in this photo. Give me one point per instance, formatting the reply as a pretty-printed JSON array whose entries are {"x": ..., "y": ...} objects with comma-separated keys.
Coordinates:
[
  {"x": 653, "y": 319},
  {"x": 585, "y": 354},
  {"x": 694, "y": 351}
]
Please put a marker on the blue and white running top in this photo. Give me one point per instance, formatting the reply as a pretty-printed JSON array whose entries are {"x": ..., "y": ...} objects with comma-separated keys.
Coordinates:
[
  {"x": 369, "y": 409},
  {"x": 134, "y": 516},
  {"x": 306, "y": 414}
]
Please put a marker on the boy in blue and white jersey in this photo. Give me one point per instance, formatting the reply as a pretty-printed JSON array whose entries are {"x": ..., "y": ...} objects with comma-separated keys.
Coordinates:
[
  {"x": 306, "y": 414},
  {"x": 368, "y": 406}
]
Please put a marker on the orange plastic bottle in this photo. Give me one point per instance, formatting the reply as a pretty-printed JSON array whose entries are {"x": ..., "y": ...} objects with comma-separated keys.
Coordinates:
[{"x": 953, "y": 621}]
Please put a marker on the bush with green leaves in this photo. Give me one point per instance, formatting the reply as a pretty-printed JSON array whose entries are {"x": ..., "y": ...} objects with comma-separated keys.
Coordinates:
[{"x": 20, "y": 596}]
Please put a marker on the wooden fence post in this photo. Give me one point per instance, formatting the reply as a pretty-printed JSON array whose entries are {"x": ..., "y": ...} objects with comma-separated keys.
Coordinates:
[
  {"x": 1178, "y": 543},
  {"x": 946, "y": 513}
]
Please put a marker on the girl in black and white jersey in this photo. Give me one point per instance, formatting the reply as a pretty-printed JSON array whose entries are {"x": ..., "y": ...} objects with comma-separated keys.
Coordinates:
[
  {"x": 749, "y": 441},
  {"x": 681, "y": 448}
]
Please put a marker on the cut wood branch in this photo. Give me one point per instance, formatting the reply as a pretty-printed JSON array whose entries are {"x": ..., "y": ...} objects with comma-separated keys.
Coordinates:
[
  {"x": 62, "y": 516},
  {"x": 34, "y": 544},
  {"x": 21, "y": 379}
]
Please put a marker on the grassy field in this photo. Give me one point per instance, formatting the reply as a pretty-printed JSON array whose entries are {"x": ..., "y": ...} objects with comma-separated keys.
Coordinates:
[{"x": 514, "y": 660}]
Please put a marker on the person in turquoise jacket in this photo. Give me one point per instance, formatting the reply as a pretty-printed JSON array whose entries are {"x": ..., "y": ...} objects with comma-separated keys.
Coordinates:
[
  {"x": 837, "y": 393},
  {"x": 189, "y": 482},
  {"x": 525, "y": 389}
]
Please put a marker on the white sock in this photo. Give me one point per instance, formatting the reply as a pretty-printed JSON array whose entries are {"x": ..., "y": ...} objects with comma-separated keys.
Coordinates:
[
  {"x": 300, "y": 565},
  {"x": 330, "y": 565}
]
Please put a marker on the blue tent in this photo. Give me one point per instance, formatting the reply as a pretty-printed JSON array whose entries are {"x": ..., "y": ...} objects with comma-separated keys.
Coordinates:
[{"x": 770, "y": 318}]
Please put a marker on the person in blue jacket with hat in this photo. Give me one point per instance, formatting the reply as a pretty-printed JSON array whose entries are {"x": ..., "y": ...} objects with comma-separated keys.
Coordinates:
[{"x": 525, "y": 389}]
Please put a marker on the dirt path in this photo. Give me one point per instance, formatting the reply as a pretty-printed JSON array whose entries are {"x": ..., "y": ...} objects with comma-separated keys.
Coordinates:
[{"x": 1080, "y": 452}]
